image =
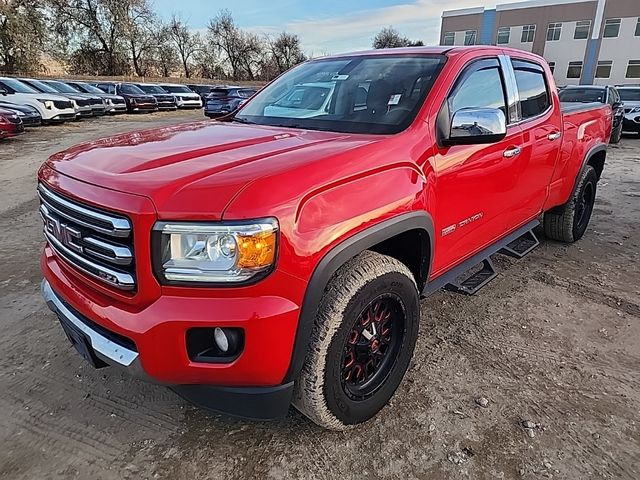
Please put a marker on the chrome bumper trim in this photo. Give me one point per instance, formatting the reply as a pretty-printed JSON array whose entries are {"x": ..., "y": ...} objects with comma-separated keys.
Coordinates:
[{"x": 101, "y": 344}]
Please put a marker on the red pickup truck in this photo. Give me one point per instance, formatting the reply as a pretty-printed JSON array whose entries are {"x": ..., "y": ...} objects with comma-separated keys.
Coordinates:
[{"x": 278, "y": 256}]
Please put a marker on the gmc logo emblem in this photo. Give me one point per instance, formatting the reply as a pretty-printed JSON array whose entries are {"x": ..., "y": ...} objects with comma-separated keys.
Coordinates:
[{"x": 65, "y": 234}]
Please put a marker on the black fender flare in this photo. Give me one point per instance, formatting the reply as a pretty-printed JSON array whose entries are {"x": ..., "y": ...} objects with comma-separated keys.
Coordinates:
[
  {"x": 600, "y": 147},
  {"x": 338, "y": 256}
]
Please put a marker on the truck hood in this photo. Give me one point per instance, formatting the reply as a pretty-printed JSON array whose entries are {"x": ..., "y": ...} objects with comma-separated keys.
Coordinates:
[{"x": 194, "y": 170}]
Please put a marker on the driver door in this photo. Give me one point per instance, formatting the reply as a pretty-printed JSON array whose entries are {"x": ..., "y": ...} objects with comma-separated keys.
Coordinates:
[{"x": 473, "y": 182}]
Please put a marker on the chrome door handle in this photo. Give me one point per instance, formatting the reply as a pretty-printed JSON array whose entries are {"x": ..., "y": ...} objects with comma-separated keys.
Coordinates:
[
  {"x": 511, "y": 152},
  {"x": 554, "y": 136}
]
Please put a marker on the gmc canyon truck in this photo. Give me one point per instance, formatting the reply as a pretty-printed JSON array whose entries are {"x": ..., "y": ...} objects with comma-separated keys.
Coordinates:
[{"x": 263, "y": 261}]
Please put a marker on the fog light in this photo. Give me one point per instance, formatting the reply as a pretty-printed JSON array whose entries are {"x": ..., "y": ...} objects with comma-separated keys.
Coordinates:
[{"x": 222, "y": 342}]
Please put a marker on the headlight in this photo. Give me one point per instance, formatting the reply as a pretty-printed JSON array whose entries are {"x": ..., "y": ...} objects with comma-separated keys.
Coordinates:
[
  {"x": 48, "y": 104},
  {"x": 222, "y": 252},
  {"x": 635, "y": 110}
]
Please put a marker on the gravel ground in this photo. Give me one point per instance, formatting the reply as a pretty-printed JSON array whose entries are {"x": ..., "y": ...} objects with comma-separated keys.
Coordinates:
[{"x": 537, "y": 376}]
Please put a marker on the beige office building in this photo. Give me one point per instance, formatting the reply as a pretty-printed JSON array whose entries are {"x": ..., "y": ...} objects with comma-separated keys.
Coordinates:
[{"x": 584, "y": 41}]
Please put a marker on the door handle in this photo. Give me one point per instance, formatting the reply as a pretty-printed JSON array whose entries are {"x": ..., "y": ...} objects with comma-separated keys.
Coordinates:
[
  {"x": 554, "y": 136},
  {"x": 511, "y": 152}
]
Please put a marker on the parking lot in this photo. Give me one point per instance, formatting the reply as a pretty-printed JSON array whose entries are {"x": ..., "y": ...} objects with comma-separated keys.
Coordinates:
[{"x": 552, "y": 344}]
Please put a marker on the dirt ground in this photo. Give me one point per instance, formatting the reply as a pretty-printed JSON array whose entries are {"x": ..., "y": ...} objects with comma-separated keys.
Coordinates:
[{"x": 553, "y": 341}]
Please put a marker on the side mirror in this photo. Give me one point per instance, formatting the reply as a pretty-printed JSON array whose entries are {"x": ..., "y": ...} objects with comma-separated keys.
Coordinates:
[
  {"x": 3, "y": 91},
  {"x": 617, "y": 105},
  {"x": 477, "y": 125}
]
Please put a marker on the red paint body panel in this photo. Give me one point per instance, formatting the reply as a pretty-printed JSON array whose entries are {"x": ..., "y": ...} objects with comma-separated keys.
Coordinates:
[{"x": 323, "y": 188}]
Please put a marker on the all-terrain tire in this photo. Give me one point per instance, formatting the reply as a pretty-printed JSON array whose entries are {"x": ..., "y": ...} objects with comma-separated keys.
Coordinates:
[
  {"x": 322, "y": 393},
  {"x": 568, "y": 222},
  {"x": 616, "y": 135}
]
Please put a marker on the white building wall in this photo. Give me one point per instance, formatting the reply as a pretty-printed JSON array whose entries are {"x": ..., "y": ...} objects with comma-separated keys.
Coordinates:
[
  {"x": 620, "y": 50},
  {"x": 563, "y": 51},
  {"x": 515, "y": 38}
]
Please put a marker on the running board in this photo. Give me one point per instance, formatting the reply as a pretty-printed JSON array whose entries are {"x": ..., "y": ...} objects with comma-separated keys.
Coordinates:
[
  {"x": 450, "y": 279},
  {"x": 475, "y": 281},
  {"x": 521, "y": 246}
]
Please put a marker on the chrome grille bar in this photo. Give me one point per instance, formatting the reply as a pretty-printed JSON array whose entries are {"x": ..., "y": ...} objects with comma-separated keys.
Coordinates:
[{"x": 100, "y": 222}]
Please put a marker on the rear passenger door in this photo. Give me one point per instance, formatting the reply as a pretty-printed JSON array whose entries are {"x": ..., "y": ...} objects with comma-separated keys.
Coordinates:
[{"x": 541, "y": 126}]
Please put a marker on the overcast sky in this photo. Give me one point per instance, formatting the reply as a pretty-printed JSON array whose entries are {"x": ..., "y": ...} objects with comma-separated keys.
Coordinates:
[{"x": 326, "y": 26}]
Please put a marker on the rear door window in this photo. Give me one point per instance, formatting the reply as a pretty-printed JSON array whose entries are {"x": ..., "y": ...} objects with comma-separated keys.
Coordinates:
[{"x": 532, "y": 88}]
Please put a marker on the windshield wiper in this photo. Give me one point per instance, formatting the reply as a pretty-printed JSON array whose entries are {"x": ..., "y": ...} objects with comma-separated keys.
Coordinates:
[{"x": 242, "y": 120}]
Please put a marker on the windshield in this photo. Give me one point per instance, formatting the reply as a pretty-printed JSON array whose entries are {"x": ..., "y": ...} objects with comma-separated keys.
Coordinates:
[
  {"x": 630, "y": 94},
  {"x": 90, "y": 88},
  {"x": 176, "y": 89},
  {"x": 18, "y": 86},
  {"x": 61, "y": 87},
  {"x": 42, "y": 86},
  {"x": 582, "y": 95},
  {"x": 152, "y": 89},
  {"x": 366, "y": 94},
  {"x": 131, "y": 89}
]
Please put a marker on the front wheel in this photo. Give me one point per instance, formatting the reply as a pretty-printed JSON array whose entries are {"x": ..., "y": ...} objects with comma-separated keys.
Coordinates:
[
  {"x": 616, "y": 135},
  {"x": 362, "y": 342}
]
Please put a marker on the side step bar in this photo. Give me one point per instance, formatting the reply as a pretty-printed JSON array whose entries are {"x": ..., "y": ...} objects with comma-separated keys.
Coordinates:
[
  {"x": 471, "y": 284},
  {"x": 521, "y": 246}
]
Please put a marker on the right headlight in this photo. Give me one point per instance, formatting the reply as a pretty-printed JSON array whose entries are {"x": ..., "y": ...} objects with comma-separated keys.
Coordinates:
[
  {"x": 216, "y": 252},
  {"x": 48, "y": 104}
]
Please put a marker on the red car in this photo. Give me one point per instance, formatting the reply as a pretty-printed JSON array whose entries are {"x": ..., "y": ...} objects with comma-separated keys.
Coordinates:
[
  {"x": 10, "y": 123},
  {"x": 275, "y": 259}
]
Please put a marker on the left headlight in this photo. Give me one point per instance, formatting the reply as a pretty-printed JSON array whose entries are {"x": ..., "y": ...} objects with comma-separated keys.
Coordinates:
[{"x": 214, "y": 253}]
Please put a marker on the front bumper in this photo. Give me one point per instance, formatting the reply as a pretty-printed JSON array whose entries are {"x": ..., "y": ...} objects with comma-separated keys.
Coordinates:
[
  {"x": 631, "y": 123},
  {"x": 150, "y": 342}
]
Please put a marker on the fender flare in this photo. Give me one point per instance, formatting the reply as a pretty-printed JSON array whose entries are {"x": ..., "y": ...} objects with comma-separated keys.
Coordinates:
[
  {"x": 334, "y": 259},
  {"x": 600, "y": 147}
]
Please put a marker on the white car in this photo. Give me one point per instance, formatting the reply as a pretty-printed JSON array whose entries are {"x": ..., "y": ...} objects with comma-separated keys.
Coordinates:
[
  {"x": 185, "y": 97},
  {"x": 52, "y": 108},
  {"x": 305, "y": 100}
]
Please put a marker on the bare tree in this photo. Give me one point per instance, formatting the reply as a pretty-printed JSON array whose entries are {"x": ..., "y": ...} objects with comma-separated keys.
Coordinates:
[
  {"x": 22, "y": 35},
  {"x": 139, "y": 31},
  {"x": 187, "y": 43},
  {"x": 93, "y": 28},
  {"x": 243, "y": 51},
  {"x": 389, "y": 37},
  {"x": 286, "y": 51}
]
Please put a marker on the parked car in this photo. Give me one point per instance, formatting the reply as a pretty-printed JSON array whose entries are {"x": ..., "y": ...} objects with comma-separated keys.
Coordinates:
[
  {"x": 224, "y": 100},
  {"x": 304, "y": 100},
  {"x": 259, "y": 261},
  {"x": 136, "y": 99},
  {"x": 185, "y": 98},
  {"x": 10, "y": 124},
  {"x": 114, "y": 103},
  {"x": 29, "y": 115},
  {"x": 81, "y": 105},
  {"x": 631, "y": 98},
  {"x": 202, "y": 90},
  {"x": 606, "y": 94},
  {"x": 52, "y": 108},
  {"x": 165, "y": 100},
  {"x": 98, "y": 104}
]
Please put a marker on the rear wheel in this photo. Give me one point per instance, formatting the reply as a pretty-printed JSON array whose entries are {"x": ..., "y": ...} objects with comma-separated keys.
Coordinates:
[
  {"x": 362, "y": 342},
  {"x": 568, "y": 222},
  {"x": 616, "y": 135}
]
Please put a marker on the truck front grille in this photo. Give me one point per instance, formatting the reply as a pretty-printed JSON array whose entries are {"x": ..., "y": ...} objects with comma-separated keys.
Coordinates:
[{"x": 96, "y": 242}]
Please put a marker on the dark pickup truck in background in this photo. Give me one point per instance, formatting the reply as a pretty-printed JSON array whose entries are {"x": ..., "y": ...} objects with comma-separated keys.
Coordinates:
[{"x": 265, "y": 260}]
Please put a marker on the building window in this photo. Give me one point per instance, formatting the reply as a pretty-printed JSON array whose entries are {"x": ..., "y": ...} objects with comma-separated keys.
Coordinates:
[
  {"x": 603, "y": 69},
  {"x": 552, "y": 66},
  {"x": 574, "y": 70},
  {"x": 611, "y": 28},
  {"x": 470, "y": 37},
  {"x": 528, "y": 32},
  {"x": 448, "y": 38},
  {"x": 582, "y": 30},
  {"x": 553, "y": 32},
  {"x": 504, "y": 33},
  {"x": 633, "y": 69},
  {"x": 637, "y": 34}
]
